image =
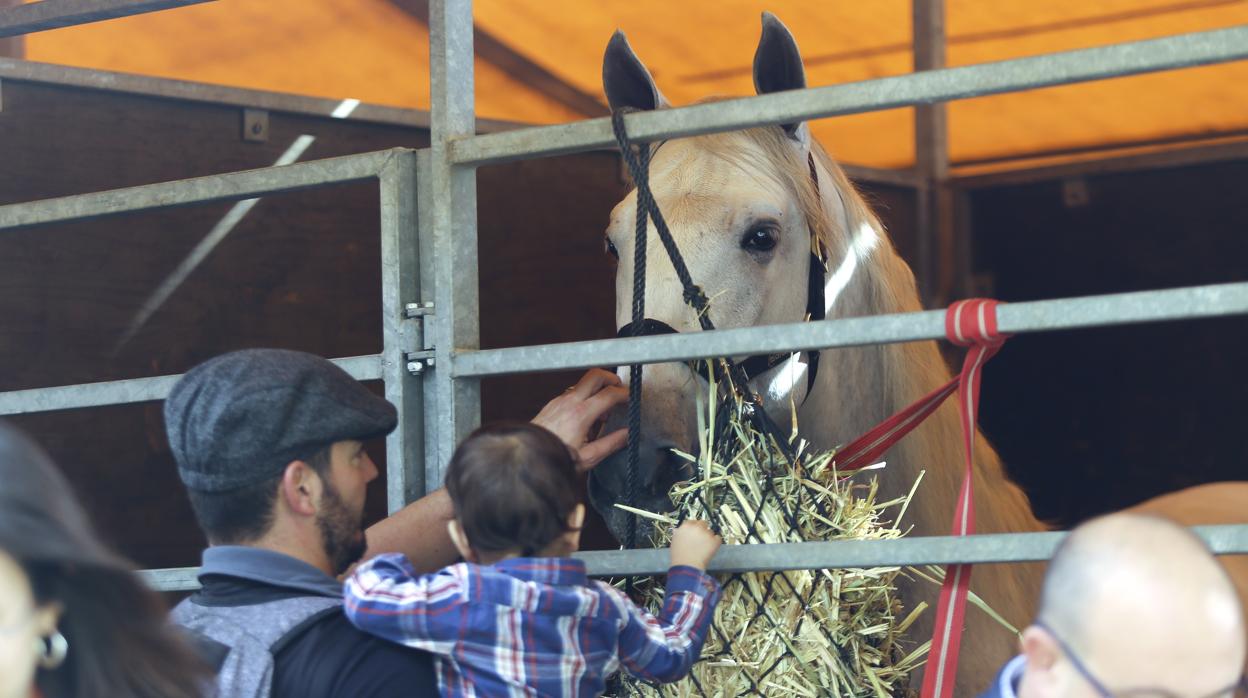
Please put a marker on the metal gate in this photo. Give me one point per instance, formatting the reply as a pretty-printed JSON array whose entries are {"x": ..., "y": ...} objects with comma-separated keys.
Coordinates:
[{"x": 431, "y": 363}]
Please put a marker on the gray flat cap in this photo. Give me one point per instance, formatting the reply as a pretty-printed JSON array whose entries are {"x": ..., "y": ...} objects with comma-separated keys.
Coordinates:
[{"x": 240, "y": 418}]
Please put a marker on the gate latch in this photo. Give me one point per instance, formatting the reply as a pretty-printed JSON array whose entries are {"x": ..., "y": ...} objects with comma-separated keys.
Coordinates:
[{"x": 418, "y": 361}]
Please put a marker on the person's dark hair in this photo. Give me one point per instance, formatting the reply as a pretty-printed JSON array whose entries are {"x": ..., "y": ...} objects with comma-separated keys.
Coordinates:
[
  {"x": 120, "y": 641},
  {"x": 513, "y": 486},
  {"x": 245, "y": 514}
]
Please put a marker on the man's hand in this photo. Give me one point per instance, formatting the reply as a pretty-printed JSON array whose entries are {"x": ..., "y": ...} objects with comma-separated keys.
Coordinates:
[
  {"x": 577, "y": 416},
  {"x": 694, "y": 544}
]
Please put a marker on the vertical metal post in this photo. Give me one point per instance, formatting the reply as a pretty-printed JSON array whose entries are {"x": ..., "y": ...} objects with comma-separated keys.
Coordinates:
[
  {"x": 428, "y": 273},
  {"x": 453, "y": 217},
  {"x": 401, "y": 285},
  {"x": 931, "y": 158},
  {"x": 12, "y": 46}
]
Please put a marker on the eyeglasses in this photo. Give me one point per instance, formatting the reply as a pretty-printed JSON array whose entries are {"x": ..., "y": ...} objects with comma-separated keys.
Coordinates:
[{"x": 1238, "y": 690}]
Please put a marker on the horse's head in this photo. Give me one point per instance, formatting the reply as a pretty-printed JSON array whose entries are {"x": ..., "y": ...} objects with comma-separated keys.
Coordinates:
[{"x": 746, "y": 209}]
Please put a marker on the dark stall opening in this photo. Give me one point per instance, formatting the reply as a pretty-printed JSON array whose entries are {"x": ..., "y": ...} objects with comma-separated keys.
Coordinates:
[{"x": 1095, "y": 420}]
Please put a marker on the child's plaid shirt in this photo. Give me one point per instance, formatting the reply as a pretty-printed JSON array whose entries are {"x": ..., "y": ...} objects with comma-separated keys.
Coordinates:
[{"x": 531, "y": 626}]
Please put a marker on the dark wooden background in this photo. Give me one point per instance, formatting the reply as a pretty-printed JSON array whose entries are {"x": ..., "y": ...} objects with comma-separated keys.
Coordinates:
[{"x": 1095, "y": 420}]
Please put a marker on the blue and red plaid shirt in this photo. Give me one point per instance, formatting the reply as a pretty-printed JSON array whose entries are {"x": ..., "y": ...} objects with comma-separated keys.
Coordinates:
[{"x": 531, "y": 626}]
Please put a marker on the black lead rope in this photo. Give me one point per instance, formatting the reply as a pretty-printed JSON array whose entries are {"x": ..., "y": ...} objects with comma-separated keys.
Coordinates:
[
  {"x": 725, "y": 370},
  {"x": 639, "y": 314},
  {"x": 638, "y": 161}
]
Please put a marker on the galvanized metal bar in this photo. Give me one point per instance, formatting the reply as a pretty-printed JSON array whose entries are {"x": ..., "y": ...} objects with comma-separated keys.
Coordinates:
[
  {"x": 927, "y": 550},
  {"x": 1224, "y": 539},
  {"x": 165, "y": 88},
  {"x": 55, "y": 14},
  {"x": 122, "y": 392},
  {"x": 428, "y": 289},
  {"x": 1169, "y": 53},
  {"x": 235, "y": 185},
  {"x": 172, "y": 578},
  {"x": 453, "y": 200},
  {"x": 12, "y": 46},
  {"x": 401, "y": 330},
  {"x": 1032, "y": 316}
]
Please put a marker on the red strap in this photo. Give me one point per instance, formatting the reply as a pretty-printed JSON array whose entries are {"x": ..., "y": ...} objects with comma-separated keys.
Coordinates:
[
  {"x": 868, "y": 448},
  {"x": 969, "y": 323},
  {"x": 963, "y": 322}
]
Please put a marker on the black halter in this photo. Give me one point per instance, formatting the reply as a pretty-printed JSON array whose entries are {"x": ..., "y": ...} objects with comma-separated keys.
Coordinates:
[{"x": 758, "y": 364}]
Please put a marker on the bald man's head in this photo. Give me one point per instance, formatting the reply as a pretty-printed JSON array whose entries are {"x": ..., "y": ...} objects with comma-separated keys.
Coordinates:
[{"x": 1142, "y": 604}]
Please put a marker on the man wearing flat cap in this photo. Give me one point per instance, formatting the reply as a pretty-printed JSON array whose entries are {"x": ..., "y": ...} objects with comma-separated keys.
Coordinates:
[{"x": 269, "y": 444}]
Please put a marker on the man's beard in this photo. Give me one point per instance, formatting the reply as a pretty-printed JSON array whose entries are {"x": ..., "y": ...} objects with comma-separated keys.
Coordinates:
[{"x": 341, "y": 532}]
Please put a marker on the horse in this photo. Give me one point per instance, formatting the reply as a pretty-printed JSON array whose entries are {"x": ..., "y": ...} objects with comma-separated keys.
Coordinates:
[{"x": 751, "y": 211}]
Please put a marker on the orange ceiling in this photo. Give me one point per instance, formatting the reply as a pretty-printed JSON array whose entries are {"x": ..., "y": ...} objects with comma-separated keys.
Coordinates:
[{"x": 370, "y": 50}]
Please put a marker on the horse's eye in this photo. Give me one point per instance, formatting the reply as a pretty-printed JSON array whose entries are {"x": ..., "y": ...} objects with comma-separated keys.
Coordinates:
[
  {"x": 611, "y": 248},
  {"x": 759, "y": 239}
]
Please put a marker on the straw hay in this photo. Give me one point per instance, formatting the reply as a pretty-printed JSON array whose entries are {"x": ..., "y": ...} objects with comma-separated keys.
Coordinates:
[{"x": 800, "y": 633}]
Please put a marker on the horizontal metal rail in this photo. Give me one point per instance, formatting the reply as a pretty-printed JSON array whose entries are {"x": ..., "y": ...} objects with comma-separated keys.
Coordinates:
[
  {"x": 172, "y": 578},
  {"x": 1031, "y": 316},
  {"x": 928, "y": 550},
  {"x": 1083, "y": 65},
  {"x": 55, "y": 14},
  {"x": 222, "y": 95},
  {"x": 234, "y": 185},
  {"x": 1227, "y": 539},
  {"x": 122, "y": 392}
]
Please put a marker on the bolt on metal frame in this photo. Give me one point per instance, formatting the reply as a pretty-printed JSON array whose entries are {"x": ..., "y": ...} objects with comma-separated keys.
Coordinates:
[{"x": 442, "y": 263}]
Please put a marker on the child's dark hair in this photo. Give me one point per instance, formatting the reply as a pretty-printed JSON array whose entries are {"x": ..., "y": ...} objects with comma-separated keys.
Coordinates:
[{"x": 513, "y": 485}]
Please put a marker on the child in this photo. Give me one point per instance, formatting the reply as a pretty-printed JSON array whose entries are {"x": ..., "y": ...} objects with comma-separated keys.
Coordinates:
[{"x": 519, "y": 617}]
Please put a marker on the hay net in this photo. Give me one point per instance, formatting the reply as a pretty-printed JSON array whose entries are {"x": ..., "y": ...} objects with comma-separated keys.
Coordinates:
[{"x": 801, "y": 632}]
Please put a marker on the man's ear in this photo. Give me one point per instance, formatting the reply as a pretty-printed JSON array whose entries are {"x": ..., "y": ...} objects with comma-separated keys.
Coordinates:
[
  {"x": 47, "y": 617},
  {"x": 1042, "y": 654},
  {"x": 460, "y": 540},
  {"x": 301, "y": 489}
]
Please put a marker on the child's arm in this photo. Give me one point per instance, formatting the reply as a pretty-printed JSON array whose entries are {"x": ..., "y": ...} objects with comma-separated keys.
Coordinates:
[
  {"x": 663, "y": 649},
  {"x": 386, "y": 597}
]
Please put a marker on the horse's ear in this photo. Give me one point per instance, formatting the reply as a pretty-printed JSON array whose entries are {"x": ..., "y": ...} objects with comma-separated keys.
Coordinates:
[
  {"x": 778, "y": 65},
  {"x": 625, "y": 79}
]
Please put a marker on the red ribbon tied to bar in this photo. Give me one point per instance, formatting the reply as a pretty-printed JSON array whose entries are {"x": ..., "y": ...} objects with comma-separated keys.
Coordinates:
[{"x": 970, "y": 323}]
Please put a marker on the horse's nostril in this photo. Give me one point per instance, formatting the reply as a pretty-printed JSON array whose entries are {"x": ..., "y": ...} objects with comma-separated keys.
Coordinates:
[{"x": 669, "y": 469}]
